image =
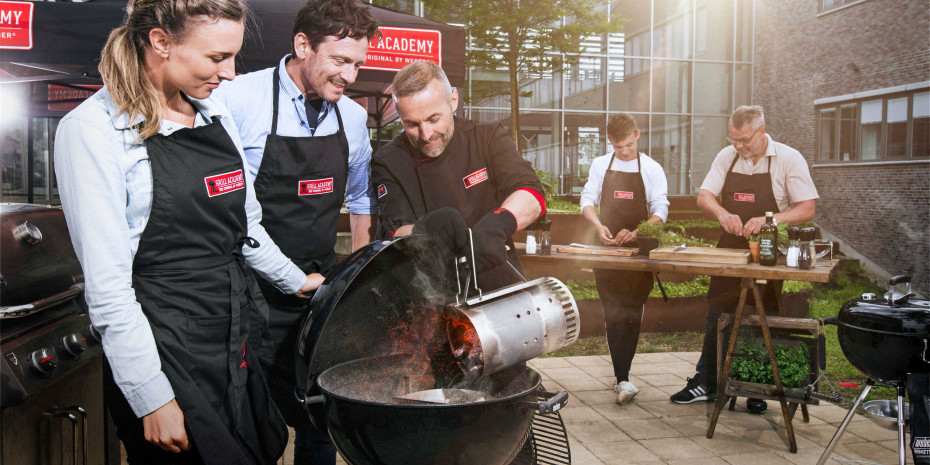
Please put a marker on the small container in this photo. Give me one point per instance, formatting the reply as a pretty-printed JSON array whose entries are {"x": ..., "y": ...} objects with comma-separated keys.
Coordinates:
[
  {"x": 542, "y": 236},
  {"x": 794, "y": 247},
  {"x": 531, "y": 243},
  {"x": 807, "y": 256}
]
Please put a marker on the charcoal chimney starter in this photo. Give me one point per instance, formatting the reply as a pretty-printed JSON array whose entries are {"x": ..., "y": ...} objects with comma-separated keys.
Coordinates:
[{"x": 512, "y": 325}]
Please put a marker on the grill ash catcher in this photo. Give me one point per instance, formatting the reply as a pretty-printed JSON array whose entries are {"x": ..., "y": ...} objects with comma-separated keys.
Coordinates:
[{"x": 404, "y": 360}]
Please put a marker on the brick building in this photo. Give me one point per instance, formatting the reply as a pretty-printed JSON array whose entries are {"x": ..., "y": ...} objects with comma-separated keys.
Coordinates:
[{"x": 847, "y": 83}]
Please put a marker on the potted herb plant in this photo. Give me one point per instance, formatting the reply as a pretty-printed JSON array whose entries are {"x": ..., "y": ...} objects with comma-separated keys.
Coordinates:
[
  {"x": 751, "y": 364},
  {"x": 754, "y": 247},
  {"x": 649, "y": 235}
]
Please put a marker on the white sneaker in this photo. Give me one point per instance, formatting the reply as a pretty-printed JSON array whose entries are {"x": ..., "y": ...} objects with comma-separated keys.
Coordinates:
[{"x": 625, "y": 391}]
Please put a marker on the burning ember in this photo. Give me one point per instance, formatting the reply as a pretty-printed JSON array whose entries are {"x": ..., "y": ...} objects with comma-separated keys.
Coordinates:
[{"x": 464, "y": 341}]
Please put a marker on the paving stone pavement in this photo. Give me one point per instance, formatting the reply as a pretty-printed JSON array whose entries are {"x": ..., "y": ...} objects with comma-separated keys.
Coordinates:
[{"x": 652, "y": 430}]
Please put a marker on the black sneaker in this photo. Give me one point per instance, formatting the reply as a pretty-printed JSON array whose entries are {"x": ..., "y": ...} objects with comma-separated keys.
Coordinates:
[
  {"x": 693, "y": 392},
  {"x": 756, "y": 406}
]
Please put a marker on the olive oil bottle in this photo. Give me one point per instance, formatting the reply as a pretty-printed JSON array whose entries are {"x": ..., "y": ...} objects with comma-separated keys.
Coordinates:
[{"x": 768, "y": 241}]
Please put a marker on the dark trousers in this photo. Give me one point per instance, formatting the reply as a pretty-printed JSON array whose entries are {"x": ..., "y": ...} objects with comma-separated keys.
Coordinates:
[
  {"x": 311, "y": 447},
  {"x": 622, "y": 294},
  {"x": 723, "y": 296}
]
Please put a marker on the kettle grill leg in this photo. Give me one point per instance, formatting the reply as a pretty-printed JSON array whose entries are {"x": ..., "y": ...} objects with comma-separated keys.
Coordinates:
[
  {"x": 845, "y": 423},
  {"x": 901, "y": 443}
]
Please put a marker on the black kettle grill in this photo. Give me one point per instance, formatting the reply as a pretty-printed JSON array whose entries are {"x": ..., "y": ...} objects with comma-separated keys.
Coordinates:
[
  {"x": 374, "y": 341},
  {"x": 886, "y": 338}
]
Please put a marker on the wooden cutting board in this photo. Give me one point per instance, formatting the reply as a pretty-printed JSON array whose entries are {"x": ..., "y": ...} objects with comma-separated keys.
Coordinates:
[
  {"x": 595, "y": 250},
  {"x": 702, "y": 254}
]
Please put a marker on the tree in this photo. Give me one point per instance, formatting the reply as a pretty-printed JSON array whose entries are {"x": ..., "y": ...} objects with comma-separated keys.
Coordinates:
[{"x": 520, "y": 36}]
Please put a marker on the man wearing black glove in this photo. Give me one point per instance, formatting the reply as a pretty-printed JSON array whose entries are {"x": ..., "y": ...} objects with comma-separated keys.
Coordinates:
[{"x": 445, "y": 162}]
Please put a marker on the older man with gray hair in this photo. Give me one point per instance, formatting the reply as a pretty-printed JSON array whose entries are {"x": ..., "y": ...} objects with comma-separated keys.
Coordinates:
[
  {"x": 445, "y": 173},
  {"x": 752, "y": 176}
]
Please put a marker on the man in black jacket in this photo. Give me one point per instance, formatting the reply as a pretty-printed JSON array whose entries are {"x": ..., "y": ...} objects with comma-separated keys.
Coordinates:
[{"x": 446, "y": 173}]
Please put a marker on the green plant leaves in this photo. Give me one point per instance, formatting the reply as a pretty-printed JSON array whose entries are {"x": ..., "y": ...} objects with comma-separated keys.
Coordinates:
[{"x": 792, "y": 362}]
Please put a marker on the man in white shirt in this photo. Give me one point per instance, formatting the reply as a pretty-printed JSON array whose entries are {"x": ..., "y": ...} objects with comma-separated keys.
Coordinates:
[
  {"x": 752, "y": 175},
  {"x": 630, "y": 188}
]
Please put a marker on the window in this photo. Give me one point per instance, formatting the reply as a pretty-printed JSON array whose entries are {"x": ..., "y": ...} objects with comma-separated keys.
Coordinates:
[
  {"x": 827, "y": 5},
  {"x": 877, "y": 128}
]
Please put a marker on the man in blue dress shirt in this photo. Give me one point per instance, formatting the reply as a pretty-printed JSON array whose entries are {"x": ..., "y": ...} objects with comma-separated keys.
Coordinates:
[{"x": 308, "y": 146}]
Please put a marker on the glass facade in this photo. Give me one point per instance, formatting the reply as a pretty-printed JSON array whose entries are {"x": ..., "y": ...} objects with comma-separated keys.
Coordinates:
[{"x": 679, "y": 66}]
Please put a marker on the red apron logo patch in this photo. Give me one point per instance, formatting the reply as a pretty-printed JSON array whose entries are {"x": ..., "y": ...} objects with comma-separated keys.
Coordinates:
[
  {"x": 477, "y": 177},
  {"x": 623, "y": 195},
  {"x": 382, "y": 191},
  {"x": 224, "y": 183},
  {"x": 744, "y": 197},
  {"x": 315, "y": 187}
]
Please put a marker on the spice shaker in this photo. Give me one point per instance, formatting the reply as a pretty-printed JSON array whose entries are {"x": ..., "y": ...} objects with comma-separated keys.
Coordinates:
[
  {"x": 807, "y": 257},
  {"x": 531, "y": 232},
  {"x": 542, "y": 236},
  {"x": 794, "y": 246}
]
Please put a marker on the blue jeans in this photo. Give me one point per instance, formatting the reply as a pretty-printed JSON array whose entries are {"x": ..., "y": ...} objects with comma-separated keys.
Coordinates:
[{"x": 312, "y": 447}]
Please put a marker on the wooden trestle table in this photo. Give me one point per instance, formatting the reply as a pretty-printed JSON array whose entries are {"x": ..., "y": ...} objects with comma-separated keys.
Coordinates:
[{"x": 753, "y": 275}]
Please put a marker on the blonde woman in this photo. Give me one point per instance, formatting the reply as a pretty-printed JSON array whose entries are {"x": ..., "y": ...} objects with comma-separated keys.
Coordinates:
[{"x": 163, "y": 218}]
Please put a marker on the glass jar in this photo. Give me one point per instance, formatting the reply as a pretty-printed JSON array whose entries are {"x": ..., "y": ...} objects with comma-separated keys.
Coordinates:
[
  {"x": 543, "y": 242},
  {"x": 807, "y": 256},
  {"x": 794, "y": 247}
]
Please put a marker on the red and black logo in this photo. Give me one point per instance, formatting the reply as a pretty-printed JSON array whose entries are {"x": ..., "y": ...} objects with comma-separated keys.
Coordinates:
[
  {"x": 224, "y": 183},
  {"x": 477, "y": 177},
  {"x": 740, "y": 197},
  {"x": 315, "y": 186},
  {"x": 623, "y": 195},
  {"x": 382, "y": 191}
]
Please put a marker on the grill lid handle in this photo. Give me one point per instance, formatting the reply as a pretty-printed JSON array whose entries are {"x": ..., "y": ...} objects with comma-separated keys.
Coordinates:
[{"x": 14, "y": 311}]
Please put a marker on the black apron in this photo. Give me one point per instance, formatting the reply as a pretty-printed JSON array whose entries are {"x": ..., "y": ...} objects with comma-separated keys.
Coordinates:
[
  {"x": 300, "y": 184},
  {"x": 461, "y": 178},
  {"x": 191, "y": 281},
  {"x": 624, "y": 206},
  {"x": 748, "y": 196}
]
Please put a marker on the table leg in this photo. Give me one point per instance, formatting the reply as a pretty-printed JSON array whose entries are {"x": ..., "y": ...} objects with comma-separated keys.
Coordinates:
[
  {"x": 731, "y": 346},
  {"x": 766, "y": 335}
]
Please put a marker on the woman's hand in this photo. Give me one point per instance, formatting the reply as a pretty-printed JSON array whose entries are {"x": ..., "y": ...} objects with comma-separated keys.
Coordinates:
[
  {"x": 313, "y": 282},
  {"x": 165, "y": 428}
]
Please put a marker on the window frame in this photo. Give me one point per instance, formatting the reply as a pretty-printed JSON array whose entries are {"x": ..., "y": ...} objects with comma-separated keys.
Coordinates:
[{"x": 856, "y": 153}]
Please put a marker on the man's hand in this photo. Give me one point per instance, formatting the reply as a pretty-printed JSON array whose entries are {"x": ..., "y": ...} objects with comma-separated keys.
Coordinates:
[
  {"x": 603, "y": 233},
  {"x": 625, "y": 236},
  {"x": 490, "y": 237},
  {"x": 313, "y": 282},
  {"x": 165, "y": 428},
  {"x": 446, "y": 226},
  {"x": 753, "y": 226},
  {"x": 731, "y": 223}
]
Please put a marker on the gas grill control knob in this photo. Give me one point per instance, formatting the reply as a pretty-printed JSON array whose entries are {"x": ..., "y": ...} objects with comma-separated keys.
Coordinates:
[
  {"x": 94, "y": 334},
  {"x": 74, "y": 344},
  {"x": 43, "y": 361}
]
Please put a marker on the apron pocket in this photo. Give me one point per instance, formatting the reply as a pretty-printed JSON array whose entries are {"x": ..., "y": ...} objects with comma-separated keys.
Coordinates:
[{"x": 208, "y": 342}]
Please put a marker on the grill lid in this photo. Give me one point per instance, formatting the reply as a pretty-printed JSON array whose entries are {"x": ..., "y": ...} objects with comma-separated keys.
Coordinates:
[
  {"x": 875, "y": 314},
  {"x": 39, "y": 267},
  {"x": 383, "y": 299}
]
